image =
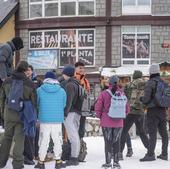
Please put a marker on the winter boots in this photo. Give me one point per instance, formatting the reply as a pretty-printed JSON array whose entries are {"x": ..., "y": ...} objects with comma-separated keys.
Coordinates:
[
  {"x": 163, "y": 157},
  {"x": 40, "y": 165},
  {"x": 107, "y": 165},
  {"x": 148, "y": 157},
  {"x": 72, "y": 161},
  {"x": 59, "y": 164},
  {"x": 129, "y": 152},
  {"x": 116, "y": 165}
]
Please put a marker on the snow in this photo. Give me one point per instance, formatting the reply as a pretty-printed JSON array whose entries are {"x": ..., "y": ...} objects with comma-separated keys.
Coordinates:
[{"x": 95, "y": 157}]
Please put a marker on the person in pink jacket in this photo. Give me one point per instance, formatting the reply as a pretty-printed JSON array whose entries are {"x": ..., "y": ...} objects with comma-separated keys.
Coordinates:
[{"x": 111, "y": 127}]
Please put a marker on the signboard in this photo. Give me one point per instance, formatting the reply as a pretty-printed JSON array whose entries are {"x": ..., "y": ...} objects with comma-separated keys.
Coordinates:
[
  {"x": 43, "y": 59},
  {"x": 86, "y": 56},
  {"x": 36, "y": 39},
  {"x": 128, "y": 46},
  {"x": 51, "y": 39}
]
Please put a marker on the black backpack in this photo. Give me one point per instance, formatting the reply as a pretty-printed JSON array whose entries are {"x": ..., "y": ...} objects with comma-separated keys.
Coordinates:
[{"x": 15, "y": 97}]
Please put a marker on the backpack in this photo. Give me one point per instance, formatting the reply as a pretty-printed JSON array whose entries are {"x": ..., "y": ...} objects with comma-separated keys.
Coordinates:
[
  {"x": 15, "y": 97},
  {"x": 134, "y": 91},
  {"x": 81, "y": 95},
  {"x": 162, "y": 95},
  {"x": 117, "y": 108}
]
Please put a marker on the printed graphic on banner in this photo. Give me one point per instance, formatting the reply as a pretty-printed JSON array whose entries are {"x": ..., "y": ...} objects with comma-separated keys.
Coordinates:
[
  {"x": 43, "y": 59},
  {"x": 143, "y": 45},
  {"x": 68, "y": 38},
  {"x": 86, "y": 38},
  {"x": 67, "y": 56},
  {"x": 51, "y": 39},
  {"x": 36, "y": 39},
  {"x": 86, "y": 56},
  {"x": 128, "y": 46}
]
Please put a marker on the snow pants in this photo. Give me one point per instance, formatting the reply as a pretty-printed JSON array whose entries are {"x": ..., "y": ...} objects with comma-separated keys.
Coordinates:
[
  {"x": 55, "y": 132},
  {"x": 112, "y": 146},
  {"x": 72, "y": 123}
]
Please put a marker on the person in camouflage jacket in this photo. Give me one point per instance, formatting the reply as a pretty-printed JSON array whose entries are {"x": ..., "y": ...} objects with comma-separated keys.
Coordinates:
[{"x": 134, "y": 90}]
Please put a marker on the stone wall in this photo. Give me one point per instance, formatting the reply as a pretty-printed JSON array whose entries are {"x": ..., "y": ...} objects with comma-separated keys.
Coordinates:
[
  {"x": 24, "y": 9},
  {"x": 116, "y": 46},
  {"x": 101, "y": 7},
  {"x": 160, "y": 7},
  {"x": 116, "y": 7},
  {"x": 159, "y": 34}
]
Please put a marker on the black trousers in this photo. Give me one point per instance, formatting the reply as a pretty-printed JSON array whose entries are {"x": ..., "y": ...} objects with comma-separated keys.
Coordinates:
[
  {"x": 129, "y": 121},
  {"x": 1, "y": 119},
  {"x": 156, "y": 121},
  {"x": 112, "y": 140},
  {"x": 82, "y": 126},
  {"x": 29, "y": 148}
]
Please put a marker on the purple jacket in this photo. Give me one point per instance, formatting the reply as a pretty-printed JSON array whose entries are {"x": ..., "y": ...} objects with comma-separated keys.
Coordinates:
[{"x": 102, "y": 109}]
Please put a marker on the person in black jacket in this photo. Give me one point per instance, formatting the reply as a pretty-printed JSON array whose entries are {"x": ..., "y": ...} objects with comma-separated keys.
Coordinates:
[
  {"x": 72, "y": 113},
  {"x": 156, "y": 117}
]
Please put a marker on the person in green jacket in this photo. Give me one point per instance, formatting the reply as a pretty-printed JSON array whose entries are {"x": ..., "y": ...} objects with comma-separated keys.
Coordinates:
[{"x": 12, "y": 123}]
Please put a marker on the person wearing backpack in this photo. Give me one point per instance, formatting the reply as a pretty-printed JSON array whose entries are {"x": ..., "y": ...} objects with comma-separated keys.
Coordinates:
[
  {"x": 134, "y": 91},
  {"x": 156, "y": 114},
  {"x": 73, "y": 107},
  {"x": 6, "y": 60},
  {"x": 111, "y": 108},
  {"x": 15, "y": 90},
  {"x": 51, "y": 100}
]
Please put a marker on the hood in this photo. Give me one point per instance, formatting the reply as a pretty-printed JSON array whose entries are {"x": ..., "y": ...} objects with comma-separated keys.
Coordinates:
[
  {"x": 12, "y": 46},
  {"x": 19, "y": 75},
  {"x": 137, "y": 74},
  {"x": 51, "y": 86}
]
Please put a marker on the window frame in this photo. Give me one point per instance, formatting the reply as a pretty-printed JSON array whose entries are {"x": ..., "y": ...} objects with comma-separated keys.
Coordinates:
[
  {"x": 59, "y": 40},
  {"x": 43, "y": 2},
  {"x": 135, "y": 59},
  {"x": 137, "y": 9}
]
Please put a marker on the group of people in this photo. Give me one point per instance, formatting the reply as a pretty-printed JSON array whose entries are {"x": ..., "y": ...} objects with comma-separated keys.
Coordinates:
[{"x": 34, "y": 113}]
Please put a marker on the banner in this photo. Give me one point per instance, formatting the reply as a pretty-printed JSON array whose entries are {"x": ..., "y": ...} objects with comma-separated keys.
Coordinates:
[
  {"x": 67, "y": 56},
  {"x": 43, "y": 59},
  {"x": 86, "y": 38},
  {"x": 36, "y": 39},
  {"x": 143, "y": 45},
  {"x": 68, "y": 38},
  {"x": 86, "y": 56},
  {"x": 128, "y": 46}
]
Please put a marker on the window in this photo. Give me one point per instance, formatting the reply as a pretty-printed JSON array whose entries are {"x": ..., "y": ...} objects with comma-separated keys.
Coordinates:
[
  {"x": 57, "y": 8},
  {"x": 61, "y": 47},
  {"x": 136, "y": 45},
  {"x": 133, "y": 7}
]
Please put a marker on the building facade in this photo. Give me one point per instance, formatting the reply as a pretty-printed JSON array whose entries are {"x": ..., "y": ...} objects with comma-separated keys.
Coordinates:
[{"x": 118, "y": 33}]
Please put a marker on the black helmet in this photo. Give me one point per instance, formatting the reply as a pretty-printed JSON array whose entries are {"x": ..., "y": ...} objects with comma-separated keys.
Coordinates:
[{"x": 18, "y": 43}]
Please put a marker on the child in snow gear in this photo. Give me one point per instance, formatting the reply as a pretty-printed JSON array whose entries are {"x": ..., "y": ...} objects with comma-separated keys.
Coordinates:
[
  {"x": 111, "y": 127},
  {"x": 156, "y": 116},
  {"x": 51, "y": 99}
]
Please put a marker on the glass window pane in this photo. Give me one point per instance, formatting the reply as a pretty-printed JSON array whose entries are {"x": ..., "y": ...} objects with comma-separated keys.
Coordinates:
[
  {"x": 143, "y": 62},
  {"x": 143, "y": 29},
  {"x": 143, "y": 2},
  {"x": 129, "y": 29},
  {"x": 35, "y": 11},
  {"x": 68, "y": 8},
  {"x": 86, "y": 8},
  {"x": 35, "y": 0},
  {"x": 51, "y": 9},
  {"x": 128, "y": 62},
  {"x": 129, "y": 2}
]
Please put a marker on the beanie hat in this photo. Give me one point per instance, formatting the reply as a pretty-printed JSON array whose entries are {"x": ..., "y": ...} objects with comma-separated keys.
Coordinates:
[
  {"x": 154, "y": 69},
  {"x": 22, "y": 66},
  {"x": 50, "y": 75},
  {"x": 18, "y": 43},
  {"x": 69, "y": 71},
  {"x": 137, "y": 74},
  {"x": 113, "y": 80}
]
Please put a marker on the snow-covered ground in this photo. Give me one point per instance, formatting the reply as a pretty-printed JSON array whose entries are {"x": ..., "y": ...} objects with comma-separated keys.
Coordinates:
[{"x": 95, "y": 157}]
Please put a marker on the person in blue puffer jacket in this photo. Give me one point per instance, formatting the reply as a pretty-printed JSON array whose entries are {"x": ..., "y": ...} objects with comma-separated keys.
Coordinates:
[{"x": 51, "y": 98}]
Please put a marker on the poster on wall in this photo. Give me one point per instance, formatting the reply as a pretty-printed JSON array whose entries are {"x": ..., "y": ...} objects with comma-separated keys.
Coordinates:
[
  {"x": 43, "y": 59},
  {"x": 68, "y": 38},
  {"x": 85, "y": 38},
  {"x": 51, "y": 39},
  {"x": 143, "y": 44},
  {"x": 86, "y": 56},
  {"x": 128, "y": 45},
  {"x": 67, "y": 56},
  {"x": 36, "y": 39}
]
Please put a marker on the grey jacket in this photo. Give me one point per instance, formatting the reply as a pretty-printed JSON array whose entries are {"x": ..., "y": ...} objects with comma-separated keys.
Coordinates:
[
  {"x": 149, "y": 92},
  {"x": 6, "y": 59}
]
